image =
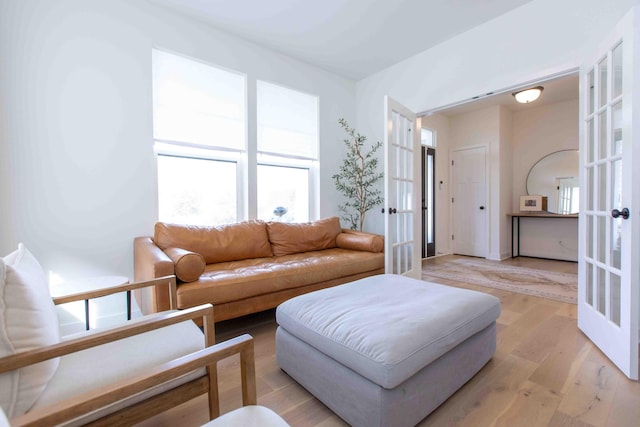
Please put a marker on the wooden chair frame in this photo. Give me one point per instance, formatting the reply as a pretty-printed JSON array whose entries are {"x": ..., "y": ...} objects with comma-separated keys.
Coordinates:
[{"x": 207, "y": 358}]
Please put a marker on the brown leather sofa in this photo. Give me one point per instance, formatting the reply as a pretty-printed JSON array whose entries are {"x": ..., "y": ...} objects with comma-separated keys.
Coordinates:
[{"x": 254, "y": 265}]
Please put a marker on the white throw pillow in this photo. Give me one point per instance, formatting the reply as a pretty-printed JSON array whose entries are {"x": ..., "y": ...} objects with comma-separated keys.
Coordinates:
[
  {"x": 28, "y": 320},
  {"x": 4, "y": 422}
]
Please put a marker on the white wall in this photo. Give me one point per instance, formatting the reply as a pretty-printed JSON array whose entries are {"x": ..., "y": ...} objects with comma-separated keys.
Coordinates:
[
  {"x": 78, "y": 173},
  {"x": 538, "y": 39},
  {"x": 538, "y": 132},
  {"x": 502, "y": 221}
]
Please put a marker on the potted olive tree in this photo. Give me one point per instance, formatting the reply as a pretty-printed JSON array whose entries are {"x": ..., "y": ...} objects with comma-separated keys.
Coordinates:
[{"x": 357, "y": 178}]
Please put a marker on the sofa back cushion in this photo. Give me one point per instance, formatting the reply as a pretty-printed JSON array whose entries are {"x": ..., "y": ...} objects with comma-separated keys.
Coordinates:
[
  {"x": 230, "y": 242},
  {"x": 288, "y": 238}
]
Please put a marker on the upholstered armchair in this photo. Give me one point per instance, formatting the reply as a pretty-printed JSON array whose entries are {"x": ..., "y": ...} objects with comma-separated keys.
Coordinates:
[{"x": 115, "y": 376}]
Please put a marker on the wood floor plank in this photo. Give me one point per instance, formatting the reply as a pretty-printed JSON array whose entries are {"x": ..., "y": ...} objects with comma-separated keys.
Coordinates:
[
  {"x": 589, "y": 397},
  {"x": 523, "y": 328},
  {"x": 564, "y": 362},
  {"x": 531, "y": 406},
  {"x": 507, "y": 317},
  {"x": 285, "y": 398},
  {"x": 310, "y": 413},
  {"x": 485, "y": 395},
  {"x": 625, "y": 408},
  {"x": 560, "y": 419},
  {"x": 543, "y": 339}
]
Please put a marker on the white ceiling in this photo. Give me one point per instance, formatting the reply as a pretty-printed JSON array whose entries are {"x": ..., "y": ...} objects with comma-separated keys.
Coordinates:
[
  {"x": 352, "y": 38},
  {"x": 559, "y": 89}
]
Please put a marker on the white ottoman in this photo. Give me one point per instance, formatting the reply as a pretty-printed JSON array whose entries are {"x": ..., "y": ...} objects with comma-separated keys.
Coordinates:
[{"x": 386, "y": 350}]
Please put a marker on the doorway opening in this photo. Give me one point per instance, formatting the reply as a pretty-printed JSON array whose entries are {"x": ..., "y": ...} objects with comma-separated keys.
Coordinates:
[{"x": 428, "y": 193}]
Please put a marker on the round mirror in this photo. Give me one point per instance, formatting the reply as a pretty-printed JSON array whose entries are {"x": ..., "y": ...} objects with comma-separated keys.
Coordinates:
[{"x": 556, "y": 177}]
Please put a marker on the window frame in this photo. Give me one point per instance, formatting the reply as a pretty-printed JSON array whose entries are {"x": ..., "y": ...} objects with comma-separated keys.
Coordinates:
[{"x": 249, "y": 158}]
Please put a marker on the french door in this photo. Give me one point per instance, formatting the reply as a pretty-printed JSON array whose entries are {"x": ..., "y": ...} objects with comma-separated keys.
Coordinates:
[
  {"x": 608, "y": 296},
  {"x": 402, "y": 189}
]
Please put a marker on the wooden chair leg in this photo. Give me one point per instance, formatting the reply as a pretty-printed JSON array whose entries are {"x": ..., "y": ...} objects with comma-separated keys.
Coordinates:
[
  {"x": 248, "y": 374},
  {"x": 212, "y": 370},
  {"x": 214, "y": 400}
]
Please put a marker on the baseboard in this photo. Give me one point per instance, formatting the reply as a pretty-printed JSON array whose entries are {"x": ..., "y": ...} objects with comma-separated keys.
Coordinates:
[{"x": 438, "y": 255}]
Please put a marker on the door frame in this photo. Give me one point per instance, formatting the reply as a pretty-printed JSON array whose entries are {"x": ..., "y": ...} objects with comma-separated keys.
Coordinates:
[
  {"x": 540, "y": 79},
  {"x": 428, "y": 251}
]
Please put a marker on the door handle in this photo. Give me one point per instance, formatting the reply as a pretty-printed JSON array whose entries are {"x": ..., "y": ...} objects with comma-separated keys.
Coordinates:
[
  {"x": 624, "y": 213},
  {"x": 391, "y": 210},
  {"x": 481, "y": 208}
]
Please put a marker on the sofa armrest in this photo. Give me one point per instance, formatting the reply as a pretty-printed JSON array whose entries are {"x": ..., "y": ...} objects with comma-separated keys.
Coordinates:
[
  {"x": 360, "y": 241},
  {"x": 150, "y": 262}
]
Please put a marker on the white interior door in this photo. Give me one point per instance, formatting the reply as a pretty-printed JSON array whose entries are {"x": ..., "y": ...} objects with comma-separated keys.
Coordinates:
[
  {"x": 608, "y": 297},
  {"x": 402, "y": 189},
  {"x": 469, "y": 201}
]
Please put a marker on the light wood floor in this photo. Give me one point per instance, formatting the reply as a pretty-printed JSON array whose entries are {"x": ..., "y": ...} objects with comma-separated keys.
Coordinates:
[{"x": 545, "y": 373}]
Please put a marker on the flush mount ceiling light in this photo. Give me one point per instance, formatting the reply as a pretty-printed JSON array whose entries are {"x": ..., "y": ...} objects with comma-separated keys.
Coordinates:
[{"x": 528, "y": 95}]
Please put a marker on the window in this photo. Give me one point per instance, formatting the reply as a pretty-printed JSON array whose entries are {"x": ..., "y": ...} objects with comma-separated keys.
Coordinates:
[
  {"x": 198, "y": 104},
  {"x": 205, "y": 166},
  {"x": 287, "y": 152},
  {"x": 427, "y": 137},
  {"x": 199, "y": 130},
  {"x": 185, "y": 190},
  {"x": 283, "y": 193}
]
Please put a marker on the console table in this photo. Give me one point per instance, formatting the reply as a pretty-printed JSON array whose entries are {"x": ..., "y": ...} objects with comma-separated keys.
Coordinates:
[{"x": 515, "y": 217}]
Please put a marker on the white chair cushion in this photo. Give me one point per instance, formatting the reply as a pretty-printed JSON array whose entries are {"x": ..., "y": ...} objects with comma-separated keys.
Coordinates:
[
  {"x": 100, "y": 366},
  {"x": 29, "y": 321},
  {"x": 249, "y": 416}
]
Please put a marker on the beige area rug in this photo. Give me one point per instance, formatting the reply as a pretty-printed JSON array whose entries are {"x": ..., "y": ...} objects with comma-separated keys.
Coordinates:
[{"x": 540, "y": 283}]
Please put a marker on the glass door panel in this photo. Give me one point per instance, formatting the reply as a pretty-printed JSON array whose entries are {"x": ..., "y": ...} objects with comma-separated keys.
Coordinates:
[
  {"x": 602, "y": 137},
  {"x": 614, "y": 310},
  {"x": 617, "y": 129},
  {"x": 617, "y": 71},
  {"x": 602, "y": 82}
]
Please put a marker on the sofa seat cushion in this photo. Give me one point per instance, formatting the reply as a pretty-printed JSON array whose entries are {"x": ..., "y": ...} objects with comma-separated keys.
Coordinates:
[
  {"x": 233, "y": 281},
  {"x": 96, "y": 367},
  {"x": 387, "y": 327}
]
